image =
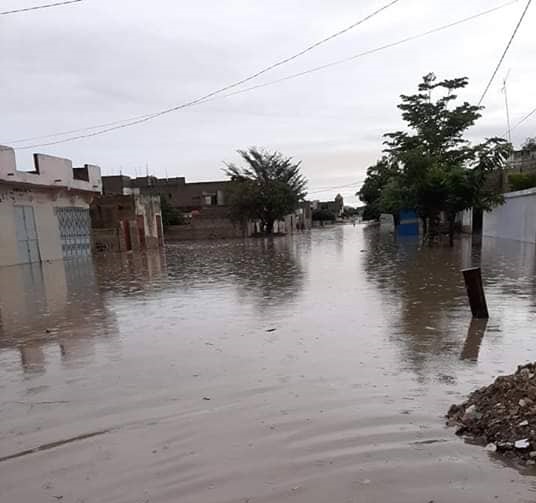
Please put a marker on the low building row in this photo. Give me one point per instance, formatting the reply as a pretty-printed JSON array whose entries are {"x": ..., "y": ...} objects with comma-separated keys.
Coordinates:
[{"x": 58, "y": 211}]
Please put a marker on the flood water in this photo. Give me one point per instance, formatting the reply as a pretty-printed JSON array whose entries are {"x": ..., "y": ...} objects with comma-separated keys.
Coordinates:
[{"x": 312, "y": 368}]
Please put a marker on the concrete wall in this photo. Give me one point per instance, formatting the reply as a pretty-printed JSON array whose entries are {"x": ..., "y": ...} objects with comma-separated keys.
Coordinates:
[
  {"x": 190, "y": 195},
  {"x": 209, "y": 223},
  {"x": 110, "y": 213},
  {"x": 53, "y": 183},
  {"x": 49, "y": 171},
  {"x": 43, "y": 202},
  {"x": 148, "y": 206},
  {"x": 516, "y": 219},
  {"x": 115, "y": 184},
  {"x": 108, "y": 210},
  {"x": 111, "y": 240},
  {"x": 179, "y": 194},
  {"x": 465, "y": 219}
]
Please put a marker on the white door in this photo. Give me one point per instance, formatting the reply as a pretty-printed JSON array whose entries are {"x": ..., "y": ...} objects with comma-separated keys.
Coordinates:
[{"x": 27, "y": 241}]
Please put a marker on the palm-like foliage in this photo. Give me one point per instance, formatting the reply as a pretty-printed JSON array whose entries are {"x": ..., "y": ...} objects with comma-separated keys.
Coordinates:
[{"x": 267, "y": 189}]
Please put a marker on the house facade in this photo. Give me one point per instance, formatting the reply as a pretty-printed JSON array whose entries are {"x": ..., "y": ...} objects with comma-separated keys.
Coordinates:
[
  {"x": 124, "y": 220},
  {"x": 336, "y": 207},
  {"x": 44, "y": 213},
  {"x": 186, "y": 197},
  {"x": 204, "y": 204}
]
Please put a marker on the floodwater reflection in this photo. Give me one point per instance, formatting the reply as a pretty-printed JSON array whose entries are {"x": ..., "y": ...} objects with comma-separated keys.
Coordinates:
[
  {"x": 48, "y": 304},
  {"x": 475, "y": 334},
  {"x": 303, "y": 369}
]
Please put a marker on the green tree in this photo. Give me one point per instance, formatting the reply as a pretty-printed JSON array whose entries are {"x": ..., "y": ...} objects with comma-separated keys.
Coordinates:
[
  {"x": 270, "y": 187},
  {"x": 522, "y": 181},
  {"x": 529, "y": 145},
  {"x": 439, "y": 171},
  {"x": 378, "y": 176},
  {"x": 170, "y": 215},
  {"x": 321, "y": 215}
]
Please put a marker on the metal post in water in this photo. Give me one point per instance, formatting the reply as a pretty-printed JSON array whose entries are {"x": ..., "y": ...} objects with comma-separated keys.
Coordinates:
[{"x": 475, "y": 292}]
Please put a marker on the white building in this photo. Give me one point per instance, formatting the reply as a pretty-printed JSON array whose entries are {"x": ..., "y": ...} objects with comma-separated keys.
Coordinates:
[{"x": 44, "y": 214}]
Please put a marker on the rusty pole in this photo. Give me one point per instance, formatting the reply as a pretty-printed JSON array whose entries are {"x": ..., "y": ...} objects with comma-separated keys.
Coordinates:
[{"x": 475, "y": 292}]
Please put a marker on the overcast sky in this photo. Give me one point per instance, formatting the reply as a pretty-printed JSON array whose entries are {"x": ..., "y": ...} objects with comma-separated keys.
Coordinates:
[{"x": 104, "y": 60}]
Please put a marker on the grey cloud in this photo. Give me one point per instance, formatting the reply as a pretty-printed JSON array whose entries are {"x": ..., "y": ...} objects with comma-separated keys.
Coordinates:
[{"x": 102, "y": 61}]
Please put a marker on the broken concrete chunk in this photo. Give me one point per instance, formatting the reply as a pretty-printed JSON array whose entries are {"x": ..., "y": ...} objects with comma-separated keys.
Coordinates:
[
  {"x": 522, "y": 444},
  {"x": 491, "y": 447}
]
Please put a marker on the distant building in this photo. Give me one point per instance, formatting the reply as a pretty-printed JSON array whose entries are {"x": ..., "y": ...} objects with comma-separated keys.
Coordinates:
[
  {"x": 126, "y": 222},
  {"x": 183, "y": 196},
  {"x": 44, "y": 213},
  {"x": 336, "y": 206},
  {"x": 522, "y": 161},
  {"x": 205, "y": 205}
]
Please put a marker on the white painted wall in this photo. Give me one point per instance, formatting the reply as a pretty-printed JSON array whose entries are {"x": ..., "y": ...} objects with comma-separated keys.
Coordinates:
[
  {"x": 466, "y": 220},
  {"x": 49, "y": 171},
  {"x": 43, "y": 202},
  {"x": 387, "y": 222},
  {"x": 51, "y": 185},
  {"x": 516, "y": 219}
]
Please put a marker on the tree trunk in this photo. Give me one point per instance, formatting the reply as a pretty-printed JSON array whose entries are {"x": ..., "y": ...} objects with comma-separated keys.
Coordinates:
[
  {"x": 424, "y": 228},
  {"x": 451, "y": 230},
  {"x": 434, "y": 224},
  {"x": 269, "y": 228}
]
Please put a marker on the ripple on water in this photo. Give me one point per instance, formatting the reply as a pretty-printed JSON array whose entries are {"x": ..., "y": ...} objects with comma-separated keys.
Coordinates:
[{"x": 342, "y": 400}]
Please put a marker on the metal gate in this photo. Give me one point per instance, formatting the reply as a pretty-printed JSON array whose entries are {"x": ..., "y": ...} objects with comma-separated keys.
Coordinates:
[
  {"x": 27, "y": 241},
  {"x": 75, "y": 231}
]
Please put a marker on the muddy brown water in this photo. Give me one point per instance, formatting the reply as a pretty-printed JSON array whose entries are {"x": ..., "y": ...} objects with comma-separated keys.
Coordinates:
[{"x": 306, "y": 369}]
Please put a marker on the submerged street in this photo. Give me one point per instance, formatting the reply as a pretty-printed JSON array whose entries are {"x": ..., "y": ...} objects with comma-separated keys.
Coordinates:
[{"x": 311, "y": 368}]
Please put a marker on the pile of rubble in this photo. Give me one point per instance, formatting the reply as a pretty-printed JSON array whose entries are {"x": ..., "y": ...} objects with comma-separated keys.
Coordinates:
[{"x": 502, "y": 416}]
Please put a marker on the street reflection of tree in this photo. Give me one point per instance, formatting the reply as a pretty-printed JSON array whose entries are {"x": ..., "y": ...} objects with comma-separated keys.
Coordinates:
[
  {"x": 268, "y": 272},
  {"x": 427, "y": 287},
  {"x": 265, "y": 271}
]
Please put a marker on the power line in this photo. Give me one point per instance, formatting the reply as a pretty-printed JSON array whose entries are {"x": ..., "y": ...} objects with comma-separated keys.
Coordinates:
[
  {"x": 326, "y": 189},
  {"x": 524, "y": 119},
  {"x": 36, "y": 7},
  {"x": 505, "y": 52},
  {"x": 371, "y": 51},
  {"x": 144, "y": 118}
]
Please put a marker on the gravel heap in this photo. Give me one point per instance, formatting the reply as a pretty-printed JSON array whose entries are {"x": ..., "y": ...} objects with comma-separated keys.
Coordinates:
[{"x": 502, "y": 416}]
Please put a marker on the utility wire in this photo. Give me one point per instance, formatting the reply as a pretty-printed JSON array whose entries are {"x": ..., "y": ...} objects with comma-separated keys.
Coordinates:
[
  {"x": 524, "y": 119},
  {"x": 144, "y": 118},
  {"x": 326, "y": 189},
  {"x": 36, "y": 7},
  {"x": 505, "y": 52},
  {"x": 371, "y": 51}
]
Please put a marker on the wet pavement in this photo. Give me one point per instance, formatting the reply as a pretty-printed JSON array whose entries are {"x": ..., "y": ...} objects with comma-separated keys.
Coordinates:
[{"x": 305, "y": 369}]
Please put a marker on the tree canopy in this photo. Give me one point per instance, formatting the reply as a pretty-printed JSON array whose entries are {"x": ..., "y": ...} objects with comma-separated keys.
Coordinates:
[
  {"x": 430, "y": 166},
  {"x": 267, "y": 189},
  {"x": 529, "y": 145},
  {"x": 170, "y": 215}
]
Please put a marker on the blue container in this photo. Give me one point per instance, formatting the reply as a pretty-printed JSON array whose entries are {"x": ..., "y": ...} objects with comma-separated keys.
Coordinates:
[{"x": 409, "y": 223}]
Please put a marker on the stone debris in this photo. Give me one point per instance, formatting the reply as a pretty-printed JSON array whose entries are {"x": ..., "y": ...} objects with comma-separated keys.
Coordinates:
[{"x": 502, "y": 416}]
